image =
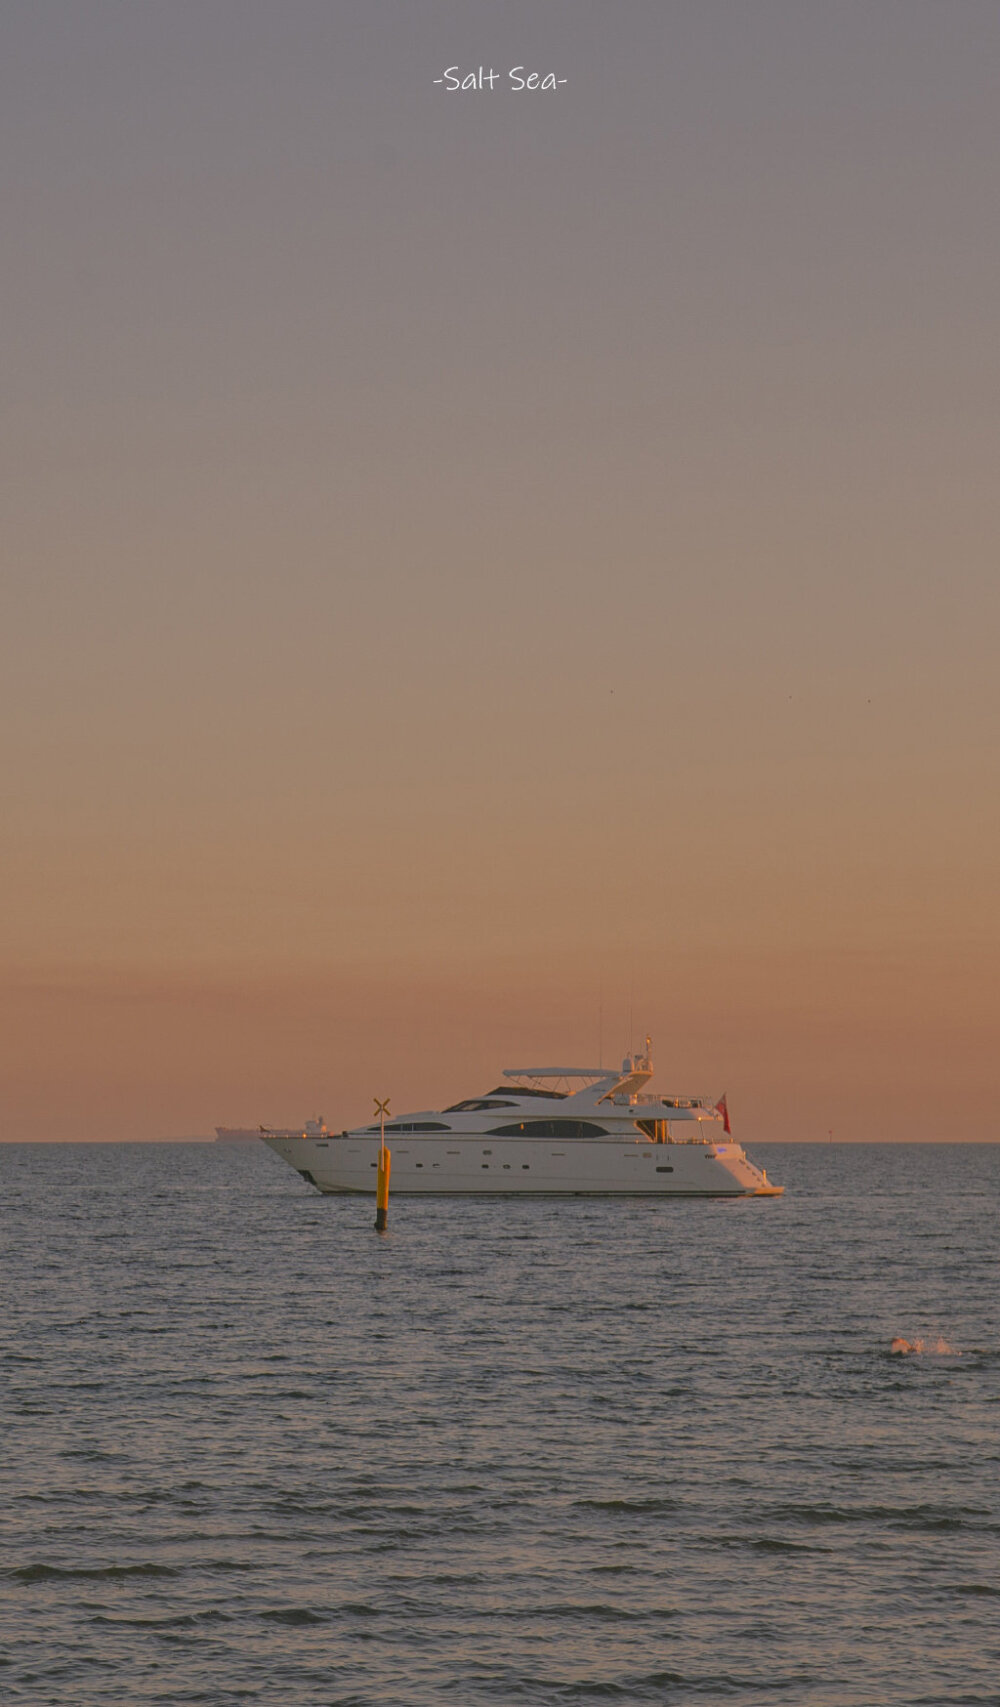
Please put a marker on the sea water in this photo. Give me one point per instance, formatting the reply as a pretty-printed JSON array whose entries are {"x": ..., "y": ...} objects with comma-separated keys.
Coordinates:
[{"x": 514, "y": 1451}]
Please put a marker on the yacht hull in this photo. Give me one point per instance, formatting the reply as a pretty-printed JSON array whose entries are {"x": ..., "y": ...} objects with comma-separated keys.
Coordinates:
[{"x": 483, "y": 1165}]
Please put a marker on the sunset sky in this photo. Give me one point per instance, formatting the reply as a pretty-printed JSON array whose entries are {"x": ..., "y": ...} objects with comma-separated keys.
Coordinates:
[{"x": 481, "y": 566}]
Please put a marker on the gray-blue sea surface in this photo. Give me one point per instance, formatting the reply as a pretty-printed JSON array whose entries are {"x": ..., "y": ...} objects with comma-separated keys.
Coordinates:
[{"x": 541, "y": 1452}]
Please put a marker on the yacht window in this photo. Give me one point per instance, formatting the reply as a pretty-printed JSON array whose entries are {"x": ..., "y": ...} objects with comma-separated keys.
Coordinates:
[
  {"x": 550, "y": 1129},
  {"x": 472, "y": 1105},
  {"x": 526, "y": 1091},
  {"x": 415, "y": 1126}
]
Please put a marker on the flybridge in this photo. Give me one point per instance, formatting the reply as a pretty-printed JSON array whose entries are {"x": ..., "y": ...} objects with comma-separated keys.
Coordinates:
[
  {"x": 605, "y": 1084},
  {"x": 563, "y": 1082},
  {"x": 635, "y": 1071},
  {"x": 559, "y": 1073}
]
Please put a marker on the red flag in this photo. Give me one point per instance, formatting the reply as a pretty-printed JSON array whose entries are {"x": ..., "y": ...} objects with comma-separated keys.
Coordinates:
[{"x": 720, "y": 1108}]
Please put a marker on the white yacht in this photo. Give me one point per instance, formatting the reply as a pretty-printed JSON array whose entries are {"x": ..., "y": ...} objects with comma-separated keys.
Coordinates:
[{"x": 546, "y": 1131}]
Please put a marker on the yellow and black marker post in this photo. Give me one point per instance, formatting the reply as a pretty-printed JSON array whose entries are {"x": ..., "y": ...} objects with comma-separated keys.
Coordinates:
[{"x": 382, "y": 1177}]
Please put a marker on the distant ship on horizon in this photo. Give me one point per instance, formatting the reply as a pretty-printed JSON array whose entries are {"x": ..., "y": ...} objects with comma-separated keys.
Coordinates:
[{"x": 243, "y": 1134}]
